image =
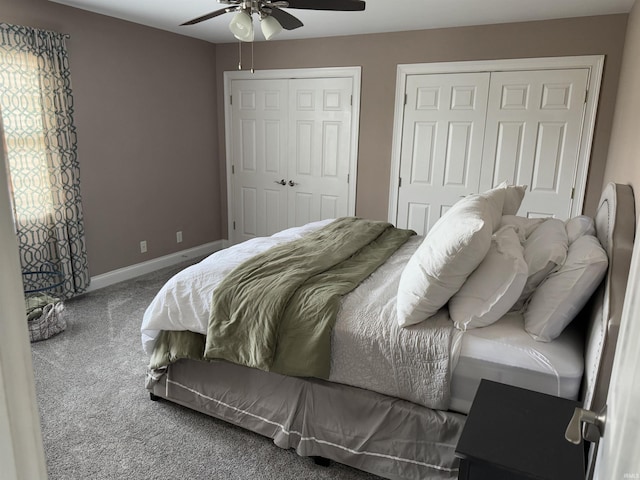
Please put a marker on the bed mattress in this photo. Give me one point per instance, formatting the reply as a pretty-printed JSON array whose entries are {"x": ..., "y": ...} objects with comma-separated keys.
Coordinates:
[{"x": 506, "y": 353}]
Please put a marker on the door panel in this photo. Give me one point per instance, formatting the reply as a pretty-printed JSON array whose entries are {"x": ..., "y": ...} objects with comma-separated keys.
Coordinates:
[
  {"x": 259, "y": 146},
  {"x": 441, "y": 144},
  {"x": 318, "y": 167},
  {"x": 330, "y": 206},
  {"x": 301, "y": 210},
  {"x": 533, "y": 134}
]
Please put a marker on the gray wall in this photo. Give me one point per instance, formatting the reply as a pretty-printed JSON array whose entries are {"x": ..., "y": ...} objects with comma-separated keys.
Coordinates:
[
  {"x": 380, "y": 54},
  {"x": 150, "y": 116},
  {"x": 145, "y": 113}
]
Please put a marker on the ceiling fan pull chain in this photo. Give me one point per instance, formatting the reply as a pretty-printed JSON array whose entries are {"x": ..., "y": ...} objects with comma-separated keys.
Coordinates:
[
  {"x": 252, "y": 70},
  {"x": 239, "y": 55}
]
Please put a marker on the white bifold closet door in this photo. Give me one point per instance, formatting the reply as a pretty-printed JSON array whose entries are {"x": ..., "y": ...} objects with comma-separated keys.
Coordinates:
[
  {"x": 290, "y": 153},
  {"x": 444, "y": 122},
  {"x": 319, "y": 149},
  {"x": 533, "y": 135},
  {"x": 465, "y": 133},
  {"x": 259, "y": 146}
]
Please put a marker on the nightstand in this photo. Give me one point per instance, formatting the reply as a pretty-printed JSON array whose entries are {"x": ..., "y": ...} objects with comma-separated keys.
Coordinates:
[{"x": 517, "y": 434}]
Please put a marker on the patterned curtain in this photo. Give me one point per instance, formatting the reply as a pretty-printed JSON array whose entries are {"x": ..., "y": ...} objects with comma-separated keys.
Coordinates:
[{"x": 37, "y": 113}]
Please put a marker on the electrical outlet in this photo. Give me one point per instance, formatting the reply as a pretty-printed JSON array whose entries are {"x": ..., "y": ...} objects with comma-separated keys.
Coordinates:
[
  {"x": 179, "y": 236},
  {"x": 143, "y": 246}
]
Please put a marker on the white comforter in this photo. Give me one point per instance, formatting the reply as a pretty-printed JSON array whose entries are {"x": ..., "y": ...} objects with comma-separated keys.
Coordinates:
[{"x": 368, "y": 350}]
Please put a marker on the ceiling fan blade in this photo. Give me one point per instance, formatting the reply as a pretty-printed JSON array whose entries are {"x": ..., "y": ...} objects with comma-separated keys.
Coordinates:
[
  {"x": 341, "y": 5},
  {"x": 288, "y": 21},
  {"x": 208, "y": 16}
]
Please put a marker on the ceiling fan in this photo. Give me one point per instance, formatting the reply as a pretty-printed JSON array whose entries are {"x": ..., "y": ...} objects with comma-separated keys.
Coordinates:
[{"x": 272, "y": 18}]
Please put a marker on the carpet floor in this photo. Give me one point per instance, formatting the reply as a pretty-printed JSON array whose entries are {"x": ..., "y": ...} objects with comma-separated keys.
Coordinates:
[{"x": 97, "y": 419}]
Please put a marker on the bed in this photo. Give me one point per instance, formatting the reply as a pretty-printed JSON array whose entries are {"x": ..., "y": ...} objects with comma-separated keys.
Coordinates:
[{"x": 394, "y": 400}]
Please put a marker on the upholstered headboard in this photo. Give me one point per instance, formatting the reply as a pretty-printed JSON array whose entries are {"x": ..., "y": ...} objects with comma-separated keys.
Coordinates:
[{"x": 615, "y": 228}]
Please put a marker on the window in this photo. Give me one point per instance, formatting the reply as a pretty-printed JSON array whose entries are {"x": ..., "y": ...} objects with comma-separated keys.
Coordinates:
[{"x": 23, "y": 118}]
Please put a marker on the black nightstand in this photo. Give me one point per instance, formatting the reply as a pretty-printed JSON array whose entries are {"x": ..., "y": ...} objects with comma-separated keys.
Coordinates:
[{"x": 516, "y": 434}]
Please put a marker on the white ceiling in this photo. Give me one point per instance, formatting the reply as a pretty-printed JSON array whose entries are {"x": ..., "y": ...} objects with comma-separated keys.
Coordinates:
[{"x": 379, "y": 16}]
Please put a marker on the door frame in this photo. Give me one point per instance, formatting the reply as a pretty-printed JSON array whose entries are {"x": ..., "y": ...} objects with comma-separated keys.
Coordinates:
[
  {"x": 21, "y": 451},
  {"x": 355, "y": 73},
  {"x": 594, "y": 63}
]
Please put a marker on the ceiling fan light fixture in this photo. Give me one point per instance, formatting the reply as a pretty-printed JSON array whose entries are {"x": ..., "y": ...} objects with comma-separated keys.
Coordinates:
[
  {"x": 241, "y": 26},
  {"x": 270, "y": 27}
]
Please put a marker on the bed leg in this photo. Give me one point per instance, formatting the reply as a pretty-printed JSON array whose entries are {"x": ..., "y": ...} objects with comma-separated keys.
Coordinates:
[
  {"x": 153, "y": 397},
  {"x": 321, "y": 461}
]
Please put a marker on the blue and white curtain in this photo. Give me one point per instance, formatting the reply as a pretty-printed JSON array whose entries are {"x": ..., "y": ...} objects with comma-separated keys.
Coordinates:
[{"x": 40, "y": 137}]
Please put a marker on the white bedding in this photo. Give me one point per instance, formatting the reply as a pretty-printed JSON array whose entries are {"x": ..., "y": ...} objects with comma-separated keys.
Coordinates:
[
  {"x": 371, "y": 351},
  {"x": 183, "y": 303}
]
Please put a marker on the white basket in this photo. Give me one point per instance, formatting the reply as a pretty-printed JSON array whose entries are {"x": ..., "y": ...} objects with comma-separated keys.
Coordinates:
[{"x": 50, "y": 323}]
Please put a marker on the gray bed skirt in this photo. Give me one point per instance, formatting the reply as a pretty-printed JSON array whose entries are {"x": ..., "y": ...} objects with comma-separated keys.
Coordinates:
[{"x": 392, "y": 438}]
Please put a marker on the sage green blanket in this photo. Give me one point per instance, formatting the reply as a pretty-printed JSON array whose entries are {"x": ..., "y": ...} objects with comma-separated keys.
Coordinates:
[{"x": 276, "y": 311}]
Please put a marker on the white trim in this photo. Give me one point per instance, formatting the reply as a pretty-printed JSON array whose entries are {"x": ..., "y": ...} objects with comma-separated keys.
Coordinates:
[
  {"x": 133, "y": 271},
  {"x": 21, "y": 452},
  {"x": 290, "y": 73},
  {"x": 594, "y": 63},
  {"x": 355, "y": 73},
  {"x": 589, "y": 124},
  {"x": 396, "y": 143}
]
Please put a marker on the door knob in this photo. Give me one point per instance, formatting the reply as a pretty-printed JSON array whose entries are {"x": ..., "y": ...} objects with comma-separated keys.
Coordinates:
[
  {"x": 281, "y": 182},
  {"x": 292, "y": 183}
]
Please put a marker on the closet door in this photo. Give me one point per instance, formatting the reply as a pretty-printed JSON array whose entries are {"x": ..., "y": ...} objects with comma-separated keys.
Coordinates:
[
  {"x": 533, "y": 136},
  {"x": 291, "y": 152},
  {"x": 319, "y": 149},
  {"x": 259, "y": 168},
  {"x": 441, "y": 152}
]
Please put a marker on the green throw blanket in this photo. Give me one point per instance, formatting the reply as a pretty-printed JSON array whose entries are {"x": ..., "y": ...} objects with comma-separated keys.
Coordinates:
[{"x": 276, "y": 311}]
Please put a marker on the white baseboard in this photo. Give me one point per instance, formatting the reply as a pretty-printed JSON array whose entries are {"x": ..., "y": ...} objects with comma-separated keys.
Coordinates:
[{"x": 132, "y": 271}]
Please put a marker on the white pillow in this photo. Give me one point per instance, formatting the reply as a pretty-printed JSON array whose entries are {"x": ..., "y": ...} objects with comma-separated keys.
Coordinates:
[
  {"x": 513, "y": 199},
  {"x": 563, "y": 294},
  {"x": 493, "y": 287},
  {"x": 495, "y": 197},
  {"x": 452, "y": 249},
  {"x": 579, "y": 226},
  {"x": 544, "y": 251},
  {"x": 509, "y": 196},
  {"x": 524, "y": 225}
]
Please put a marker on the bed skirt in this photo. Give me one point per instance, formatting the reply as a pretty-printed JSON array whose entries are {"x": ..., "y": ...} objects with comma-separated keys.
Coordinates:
[{"x": 392, "y": 438}]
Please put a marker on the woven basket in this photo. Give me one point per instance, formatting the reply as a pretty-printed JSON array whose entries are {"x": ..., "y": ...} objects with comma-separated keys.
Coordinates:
[{"x": 49, "y": 323}]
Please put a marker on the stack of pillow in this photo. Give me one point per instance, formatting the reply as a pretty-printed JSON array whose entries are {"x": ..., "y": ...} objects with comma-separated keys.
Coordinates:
[
  {"x": 566, "y": 289},
  {"x": 484, "y": 261}
]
